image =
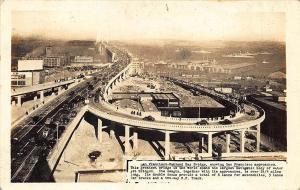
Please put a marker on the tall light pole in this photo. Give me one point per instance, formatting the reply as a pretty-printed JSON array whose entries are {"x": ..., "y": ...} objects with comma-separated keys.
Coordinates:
[{"x": 56, "y": 135}]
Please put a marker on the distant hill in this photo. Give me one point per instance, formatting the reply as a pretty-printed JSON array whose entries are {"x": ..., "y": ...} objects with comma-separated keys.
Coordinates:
[
  {"x": 269, "y": 56},
  {"x": 277, "y": 75},
  {"x": 81, "y": 42},
  {"x": 35, "y": 47}
]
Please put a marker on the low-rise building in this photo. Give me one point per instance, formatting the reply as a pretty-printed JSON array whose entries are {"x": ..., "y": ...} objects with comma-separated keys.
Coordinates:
[
  {"x": 210, "y": 66},
  {"x": 267, "y": 88},
  {"x": 26, "y": 78},
  {"x": 278, "y": 96},
  {"x": 224, "y": 90},
  {"x": 83, "y": 59},
  {"x": 275, "y": 124},
  {"x": 52, "y": 62},
  {"x": 52, "y": 59},
  {"x": 29, "y": 72},
  {"x": 136, "y": 67}
]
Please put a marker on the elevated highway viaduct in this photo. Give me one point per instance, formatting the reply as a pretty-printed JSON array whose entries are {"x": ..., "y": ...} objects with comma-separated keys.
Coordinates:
[
  {"x": 40, "y": 89},
  {"x": 104, "y": 111},
  {"x": 242, "y": 122}
]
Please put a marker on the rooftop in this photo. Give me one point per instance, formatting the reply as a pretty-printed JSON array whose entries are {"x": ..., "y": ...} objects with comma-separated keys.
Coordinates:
[
  {"x": 165, "y": 96},
  {"x": 135, "y": 95},
  {"x": 269, "y": 101},
  {"x": 199, "y": 101},
  {"x": 148, "y": 106},
  {"x": 124, "y": 96},
  {"x": 127, "y": 103},
  {"x": 276, "y": 93}
]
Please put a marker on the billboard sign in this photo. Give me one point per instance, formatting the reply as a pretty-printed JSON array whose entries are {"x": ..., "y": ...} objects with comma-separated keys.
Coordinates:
[{"x": 30, "y": 65}]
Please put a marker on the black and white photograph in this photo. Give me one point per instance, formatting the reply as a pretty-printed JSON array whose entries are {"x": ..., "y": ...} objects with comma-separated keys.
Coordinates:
[{"x": 95, "y": 89}]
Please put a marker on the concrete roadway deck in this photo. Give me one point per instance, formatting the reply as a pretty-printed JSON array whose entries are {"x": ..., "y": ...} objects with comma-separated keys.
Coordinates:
[
  {"x": 39, "y": 87},
  {"x": 106, "y": 112}
]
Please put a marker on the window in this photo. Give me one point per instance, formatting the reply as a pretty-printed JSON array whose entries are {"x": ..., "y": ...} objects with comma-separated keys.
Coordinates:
[
  {"x": 173, "y": 104},
  {"x": 176, "y": 113},
  {"x": 21, "y": 76},
  {"x": 14, "y": 76},
  {"x": 21, "y": 83}
]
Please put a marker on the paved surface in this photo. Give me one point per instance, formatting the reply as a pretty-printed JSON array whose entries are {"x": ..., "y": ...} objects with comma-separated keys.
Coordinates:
[
  {"x": 39, "y": 87},
  {"x": 76, "y": 158},
  {"x": 101, "y": 107},
  {"x": 19, "y": 112}
]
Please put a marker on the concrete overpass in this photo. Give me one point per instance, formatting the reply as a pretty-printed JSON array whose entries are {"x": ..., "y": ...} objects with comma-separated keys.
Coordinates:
[
  {"x": 115, "y": 80},
  {"x": 242, "y": 123},
  {"x": 132, "y": 123},
  {"x": 40, "y": 88}
]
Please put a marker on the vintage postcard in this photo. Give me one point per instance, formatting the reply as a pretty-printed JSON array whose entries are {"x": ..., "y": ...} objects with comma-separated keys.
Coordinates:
[{"x": 148, "y": 92}]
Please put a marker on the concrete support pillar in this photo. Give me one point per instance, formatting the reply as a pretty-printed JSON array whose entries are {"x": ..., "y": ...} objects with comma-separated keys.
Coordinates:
[
  {"x": 126, "y": 144},
  {"x": 201, "y": 143},
  {"x": 35, "y": 98},
  {"x": 19, "y": 101},
  {"x": 13, "y": 103},
  {"x": 111, "y": 133},
  {"x": 258, "y": 138},
  {"x": 135, "y": 142},
  {"x": 58, "y": 90},
  {"x": 209, "y": 142},
  {"x": 242, "y": 140},
  {"x": 99, "y": 130},
  {"x": 228, "y": 142},
  {"x": 167, "y": 145},
  {"x": 42, "y": 96},
  {"x": 111, "y": 130}
]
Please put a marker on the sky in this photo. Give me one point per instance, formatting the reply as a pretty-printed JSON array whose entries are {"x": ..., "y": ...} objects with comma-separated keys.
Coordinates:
[{"x": 150, "y": 20}]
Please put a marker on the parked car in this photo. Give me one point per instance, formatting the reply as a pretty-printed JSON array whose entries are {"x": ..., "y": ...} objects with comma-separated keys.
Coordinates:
[
  {"x": 149, "y": 118},
  {"x": 48, "y": 121},
  {"x": 91, "y": 95},
  {"x": 64, "y": 120},
  {"x": 252, "y": 113},
  {"x": 202, "y": 122},
  {"x": 72, "y": 93},
  {"x": 66, "y": 106},
  {"x": 73, "y": 114},
  {"x": 45, "y": 132},
  {"x": 65, "y": 111},
  {"x": 35, "y": 119},
  {"x": 225, "y": 122}
]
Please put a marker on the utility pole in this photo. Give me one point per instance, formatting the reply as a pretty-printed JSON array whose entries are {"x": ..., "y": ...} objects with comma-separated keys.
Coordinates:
[{"x": 57, "y": 135}]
